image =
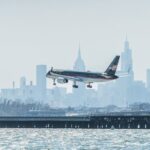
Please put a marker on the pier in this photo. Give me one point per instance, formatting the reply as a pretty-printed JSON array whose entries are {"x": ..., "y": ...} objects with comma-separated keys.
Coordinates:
[{"x": 83, "y": 122}]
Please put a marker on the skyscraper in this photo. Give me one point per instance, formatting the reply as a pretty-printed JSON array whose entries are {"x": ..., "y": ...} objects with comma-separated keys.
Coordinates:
[
  {"x": 126, "y": 60},
  {"x": 79, "y": 63},
  {"x": 127, "y": 82},
  {"x": 79, "y": 94},
  {"x": 41, "y": 82}
]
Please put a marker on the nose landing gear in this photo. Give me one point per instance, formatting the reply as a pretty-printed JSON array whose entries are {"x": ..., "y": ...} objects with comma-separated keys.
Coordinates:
[
  {"x": 89, "y": 86},
  {"x": 54, "y": 82}
]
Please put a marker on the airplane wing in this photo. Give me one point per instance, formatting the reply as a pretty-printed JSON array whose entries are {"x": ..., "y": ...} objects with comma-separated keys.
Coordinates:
[
  {"x": 74, "y": 78},
  {"x": 77, "y": 79}
]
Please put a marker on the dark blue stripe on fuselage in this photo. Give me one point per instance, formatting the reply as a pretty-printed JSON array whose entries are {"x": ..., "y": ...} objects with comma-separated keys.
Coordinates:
[{"x": 83, "y": 74}]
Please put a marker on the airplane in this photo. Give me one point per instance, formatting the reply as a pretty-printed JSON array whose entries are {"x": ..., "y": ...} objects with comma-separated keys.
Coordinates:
[{"x": 63, "y": 76}]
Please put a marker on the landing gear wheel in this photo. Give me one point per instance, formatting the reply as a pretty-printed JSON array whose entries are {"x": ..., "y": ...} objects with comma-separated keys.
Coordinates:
[
  {"x": 89, "y": 86},
  {"x": 75, "y": 86}
]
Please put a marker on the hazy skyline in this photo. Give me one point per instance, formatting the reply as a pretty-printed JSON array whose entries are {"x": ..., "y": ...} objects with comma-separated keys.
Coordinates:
[{"x": 48, "y": 32}]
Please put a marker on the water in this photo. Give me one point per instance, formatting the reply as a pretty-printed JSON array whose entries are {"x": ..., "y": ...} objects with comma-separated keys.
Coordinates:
[{"x": 74, "y": 139}]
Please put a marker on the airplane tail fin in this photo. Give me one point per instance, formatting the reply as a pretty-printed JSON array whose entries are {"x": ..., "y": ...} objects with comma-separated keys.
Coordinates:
[{"x": 111, "y": 70}]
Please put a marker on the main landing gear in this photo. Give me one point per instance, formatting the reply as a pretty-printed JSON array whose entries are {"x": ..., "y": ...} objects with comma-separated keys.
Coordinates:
[
  {"x": 89, "y": 85},
  {"x": 75, "y": 85},
  {"x": 54, "y": 81}
]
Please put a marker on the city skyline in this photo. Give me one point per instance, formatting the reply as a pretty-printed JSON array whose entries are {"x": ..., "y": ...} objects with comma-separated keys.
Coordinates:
[
  {"x": 80, "y": 60},
  {"x": 108, "y": 93},
  {"x": 49, "y": 32}
]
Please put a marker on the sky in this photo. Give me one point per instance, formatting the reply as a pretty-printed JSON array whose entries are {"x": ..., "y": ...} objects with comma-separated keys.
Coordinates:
[{"x": 48, "y": 32}]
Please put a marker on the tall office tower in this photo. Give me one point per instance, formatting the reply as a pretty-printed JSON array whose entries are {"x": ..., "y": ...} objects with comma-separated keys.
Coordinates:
[
  {"x": 148, "y": 78},
  {"x": 126, "y": 60},
  {"x": 126, "y": 83},
  {"x": 79, "y": 63},
  {"x": 79, "y": 94},
  {"x": 41, "y": 82}
]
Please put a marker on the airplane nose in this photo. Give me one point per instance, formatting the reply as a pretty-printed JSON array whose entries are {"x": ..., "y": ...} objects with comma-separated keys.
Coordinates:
[{"x": 116, "y": 77}]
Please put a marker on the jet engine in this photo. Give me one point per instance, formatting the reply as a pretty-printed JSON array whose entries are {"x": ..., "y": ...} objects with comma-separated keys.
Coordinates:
[{"x": 62, "y": 80}]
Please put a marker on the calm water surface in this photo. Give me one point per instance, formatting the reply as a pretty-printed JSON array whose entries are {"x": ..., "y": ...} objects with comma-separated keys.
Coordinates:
[{"x": 74, "y": 139}]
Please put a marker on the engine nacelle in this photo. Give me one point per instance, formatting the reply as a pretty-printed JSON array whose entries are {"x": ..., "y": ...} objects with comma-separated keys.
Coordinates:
[{"x": 62, "y": 80}]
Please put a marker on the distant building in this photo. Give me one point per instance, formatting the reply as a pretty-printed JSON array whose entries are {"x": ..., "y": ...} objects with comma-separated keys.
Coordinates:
[
  {"x": 79, "y": 93},
  {"x": 25, "y": 93},
  {"x": 41, "y": 71},
  {"x": 22, "y": 82},
  {"x": 138, "y": 92},
  {"x": 126, "y": 60},
  {"x": 126, "y": 83},
  {"x": 79, "y": 63},
  {"x": 58, "y": 97},
  {"x": 148, "y": 79},
  {"x": 124, "y": 91},
  {"x": 29, "y": 93}
]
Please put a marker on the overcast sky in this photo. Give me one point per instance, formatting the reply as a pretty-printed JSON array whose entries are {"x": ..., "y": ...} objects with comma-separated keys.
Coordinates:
[{"x": 48, "y": 32}]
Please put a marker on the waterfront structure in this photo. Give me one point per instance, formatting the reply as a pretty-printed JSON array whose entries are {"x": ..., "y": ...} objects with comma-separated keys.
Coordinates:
[{"x": 102, "y": 121}]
